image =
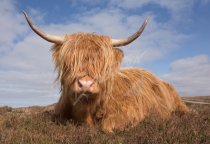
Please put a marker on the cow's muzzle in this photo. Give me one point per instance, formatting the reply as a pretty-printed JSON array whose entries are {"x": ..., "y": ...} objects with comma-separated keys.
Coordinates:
[{"x": 86, "y": 85}]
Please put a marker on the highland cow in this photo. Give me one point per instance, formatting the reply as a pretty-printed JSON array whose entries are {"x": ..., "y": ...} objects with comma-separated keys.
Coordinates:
[{"x": 95, "y": 90}]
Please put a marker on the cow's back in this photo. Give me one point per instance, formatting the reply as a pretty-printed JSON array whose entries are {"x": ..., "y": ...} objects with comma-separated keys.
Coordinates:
[{"x": 135, "y": 94}]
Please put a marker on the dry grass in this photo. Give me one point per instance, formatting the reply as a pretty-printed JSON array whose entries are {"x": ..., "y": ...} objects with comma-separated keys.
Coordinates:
[{"x": 28, "y": 126}]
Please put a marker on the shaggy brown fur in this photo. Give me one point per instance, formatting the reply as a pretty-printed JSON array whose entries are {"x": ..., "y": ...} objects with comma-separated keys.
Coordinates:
[
  {"x": 136, "y": 93},
  {"x": 84, "y": 54},
  {"x": 126, "y": 96}
]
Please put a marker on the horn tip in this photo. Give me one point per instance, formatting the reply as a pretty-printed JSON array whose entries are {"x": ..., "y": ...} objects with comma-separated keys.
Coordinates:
[
  {"x": 148, "y": 19},
  {"x": 23, "y": 12}
]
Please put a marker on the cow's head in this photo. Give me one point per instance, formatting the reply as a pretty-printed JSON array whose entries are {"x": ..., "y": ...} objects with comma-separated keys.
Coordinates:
[{"x": 86, "y": 61}]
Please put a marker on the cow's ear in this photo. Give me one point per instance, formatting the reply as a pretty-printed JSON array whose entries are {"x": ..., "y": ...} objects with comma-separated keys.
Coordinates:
[{"x": 118, "y": 55}]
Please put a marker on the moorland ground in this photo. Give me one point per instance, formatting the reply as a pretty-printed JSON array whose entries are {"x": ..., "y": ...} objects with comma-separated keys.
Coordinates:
[{"x": 31, "y": 125}]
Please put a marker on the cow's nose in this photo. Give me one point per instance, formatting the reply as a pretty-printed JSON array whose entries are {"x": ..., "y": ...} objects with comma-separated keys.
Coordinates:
[{"x": 85, "y": 85}]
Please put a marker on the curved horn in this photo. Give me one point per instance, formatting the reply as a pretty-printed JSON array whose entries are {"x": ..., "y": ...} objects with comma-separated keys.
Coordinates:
[
  {"x": 47, "y": 37},
  {"x": 126, "y": 41}
]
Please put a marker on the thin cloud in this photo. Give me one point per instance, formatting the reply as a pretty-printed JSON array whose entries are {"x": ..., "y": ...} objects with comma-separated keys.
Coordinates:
[
  {"x": 172, "y": 6},
  {"x": 11, "y": 25},
  {"x": 191, "y": 75}
]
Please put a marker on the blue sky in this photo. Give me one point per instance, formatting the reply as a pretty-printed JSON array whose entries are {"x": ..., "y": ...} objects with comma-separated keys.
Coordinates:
[{"x": 175, "y": 45}]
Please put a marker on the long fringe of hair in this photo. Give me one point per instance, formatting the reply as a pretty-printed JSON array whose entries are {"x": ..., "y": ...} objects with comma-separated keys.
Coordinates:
[{"x": 82, "y": 52}]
